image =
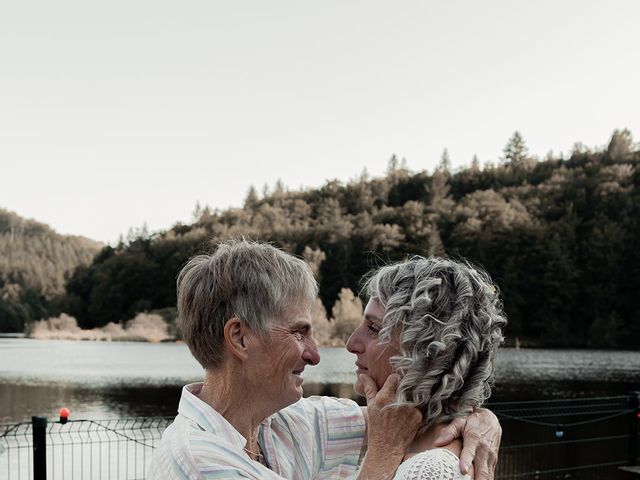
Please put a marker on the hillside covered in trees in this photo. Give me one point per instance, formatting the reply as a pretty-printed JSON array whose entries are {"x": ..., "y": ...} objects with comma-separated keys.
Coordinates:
[
  {"x": 561, "y": 236},
  {"x": 35, "y": 262}
]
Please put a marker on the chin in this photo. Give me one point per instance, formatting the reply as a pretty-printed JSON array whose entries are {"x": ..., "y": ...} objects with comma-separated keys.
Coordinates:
[{"x": 294, "y": 396}]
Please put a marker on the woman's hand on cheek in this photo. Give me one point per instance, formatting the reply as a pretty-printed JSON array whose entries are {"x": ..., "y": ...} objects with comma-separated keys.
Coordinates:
[{"x": 391, "y": 429}]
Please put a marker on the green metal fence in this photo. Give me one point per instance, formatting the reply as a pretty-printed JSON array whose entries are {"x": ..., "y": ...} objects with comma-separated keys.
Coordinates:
[{"x": 552, "y": 439}]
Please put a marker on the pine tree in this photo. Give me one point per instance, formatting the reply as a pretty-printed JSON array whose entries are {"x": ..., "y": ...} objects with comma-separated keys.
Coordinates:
[
  {"x": 445, "y": 162},
  {"x": 197, "y": 211},
  {"x": 515, "y": 152},
  {"x": 475, "y": 164},
  {"x": 251, "y": 200},
  {"x": 393, "y": 164}
]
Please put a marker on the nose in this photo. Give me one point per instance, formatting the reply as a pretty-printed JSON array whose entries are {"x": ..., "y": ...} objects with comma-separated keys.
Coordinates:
[
  {"x": 311, "y": 355},
  {"x": 354, "y": 344}
]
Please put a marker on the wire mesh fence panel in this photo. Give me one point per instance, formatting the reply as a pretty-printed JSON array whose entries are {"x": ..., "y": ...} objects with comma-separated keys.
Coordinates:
[
  {"x": 564, "y": 439},
  {"x": 16, "y": 451},
  {"x": 81, "y": 449},
  {"x": 97, "y": 449},
  {"x": 584, "y": 439}
]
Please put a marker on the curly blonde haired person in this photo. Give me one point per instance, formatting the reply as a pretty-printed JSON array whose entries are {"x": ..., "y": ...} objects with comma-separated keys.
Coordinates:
[{"x": 437, "y": 324}]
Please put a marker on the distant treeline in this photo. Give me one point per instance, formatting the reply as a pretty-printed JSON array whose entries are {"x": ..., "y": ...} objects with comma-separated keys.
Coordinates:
[
  {"x": 35, "y": 263},
  {"x": 561, "y": 236}
]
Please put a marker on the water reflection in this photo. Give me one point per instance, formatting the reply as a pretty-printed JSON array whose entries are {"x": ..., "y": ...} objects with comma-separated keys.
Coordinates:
[
  {"x": 19, "y": 402},
  {"x": 106, "y": 380}
]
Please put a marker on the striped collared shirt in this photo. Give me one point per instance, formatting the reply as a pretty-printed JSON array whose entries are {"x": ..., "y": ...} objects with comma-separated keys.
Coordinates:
[{"x": 315, "y": 438}]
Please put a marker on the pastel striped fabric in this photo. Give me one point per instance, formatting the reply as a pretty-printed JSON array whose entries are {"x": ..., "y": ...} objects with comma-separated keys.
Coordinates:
[{"x": 315, "y": 438}]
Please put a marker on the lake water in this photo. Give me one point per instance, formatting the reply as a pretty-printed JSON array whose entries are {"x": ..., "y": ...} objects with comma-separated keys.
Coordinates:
[{"x": 115, "y": 379}]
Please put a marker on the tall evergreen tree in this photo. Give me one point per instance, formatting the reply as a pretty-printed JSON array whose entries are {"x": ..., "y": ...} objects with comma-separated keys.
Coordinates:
[{"x": 515, "y": 151}]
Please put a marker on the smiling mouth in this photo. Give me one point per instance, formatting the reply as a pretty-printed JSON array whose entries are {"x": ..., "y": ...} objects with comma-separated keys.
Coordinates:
[{"x": 297, "y": 372}]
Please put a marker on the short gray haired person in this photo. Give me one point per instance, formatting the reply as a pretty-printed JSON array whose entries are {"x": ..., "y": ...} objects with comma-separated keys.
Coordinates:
[
  {"x": 245, "y": 313},
  {"x": 436, "y": 323},
  {"x": 253, "y": 281}
]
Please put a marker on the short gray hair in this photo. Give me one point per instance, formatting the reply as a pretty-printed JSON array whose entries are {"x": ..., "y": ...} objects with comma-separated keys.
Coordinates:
[
  {"x": 448, "y": 317},
  {"x": 254, "y": 281}
]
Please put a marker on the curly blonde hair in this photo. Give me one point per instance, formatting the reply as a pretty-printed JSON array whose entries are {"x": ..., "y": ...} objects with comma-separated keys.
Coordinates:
[{"x": 447, "y": 316}]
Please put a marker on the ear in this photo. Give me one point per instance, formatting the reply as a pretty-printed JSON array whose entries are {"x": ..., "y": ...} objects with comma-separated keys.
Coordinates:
[{"x": 236, "y": 338}]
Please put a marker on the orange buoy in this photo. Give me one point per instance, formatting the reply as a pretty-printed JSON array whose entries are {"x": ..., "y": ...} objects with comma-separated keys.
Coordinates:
[{"x": 64, "y": 415}]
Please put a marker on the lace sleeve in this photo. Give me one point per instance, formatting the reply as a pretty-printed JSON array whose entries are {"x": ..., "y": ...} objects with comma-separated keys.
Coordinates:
[{"x": 436, "y": 464}]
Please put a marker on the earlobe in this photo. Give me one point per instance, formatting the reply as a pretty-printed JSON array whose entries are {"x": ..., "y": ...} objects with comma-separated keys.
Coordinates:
[{"x": 235, "y": 338}]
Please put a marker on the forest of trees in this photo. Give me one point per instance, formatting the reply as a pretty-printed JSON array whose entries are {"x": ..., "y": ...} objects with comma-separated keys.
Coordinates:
[
  {"x": 561, "y": 237},
  {"x": 35, "y": 262}
]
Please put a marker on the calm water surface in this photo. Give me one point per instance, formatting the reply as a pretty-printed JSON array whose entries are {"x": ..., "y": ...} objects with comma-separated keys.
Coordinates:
[{"x": 104, "y": 379}]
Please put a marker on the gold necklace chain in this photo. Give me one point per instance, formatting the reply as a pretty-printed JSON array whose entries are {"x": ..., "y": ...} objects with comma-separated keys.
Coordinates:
[{"x": 259, "y": 457}]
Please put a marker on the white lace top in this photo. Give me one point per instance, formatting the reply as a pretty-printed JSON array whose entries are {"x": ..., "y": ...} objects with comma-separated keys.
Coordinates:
[{"x": 435, "y": 464}]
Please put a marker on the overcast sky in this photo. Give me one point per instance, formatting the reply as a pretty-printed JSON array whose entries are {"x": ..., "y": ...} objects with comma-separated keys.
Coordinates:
[{"x": 116, "y": 113}]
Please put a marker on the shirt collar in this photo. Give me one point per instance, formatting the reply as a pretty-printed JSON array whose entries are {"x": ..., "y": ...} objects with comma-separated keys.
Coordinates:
[{"x": 206, "y": 417}]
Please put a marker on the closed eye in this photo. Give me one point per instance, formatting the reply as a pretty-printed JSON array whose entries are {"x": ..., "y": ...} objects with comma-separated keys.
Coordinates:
[
  {"x": 373, "y": 329},
  {"x": 302, "y": 332}
]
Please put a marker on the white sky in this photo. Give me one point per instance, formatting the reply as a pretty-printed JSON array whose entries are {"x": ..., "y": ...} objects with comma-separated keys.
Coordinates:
[{"x": 120, "y": 112}]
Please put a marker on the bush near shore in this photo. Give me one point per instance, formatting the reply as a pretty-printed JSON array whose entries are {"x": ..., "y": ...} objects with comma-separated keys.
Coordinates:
[
  {"x": 144, "y": 327},
  {"x": 161, "y": 325}
]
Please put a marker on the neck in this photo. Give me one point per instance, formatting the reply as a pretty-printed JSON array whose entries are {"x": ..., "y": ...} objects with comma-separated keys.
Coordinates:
[
  {"x": 425, "y": 441},
  {"x": 229, "y": 393}
]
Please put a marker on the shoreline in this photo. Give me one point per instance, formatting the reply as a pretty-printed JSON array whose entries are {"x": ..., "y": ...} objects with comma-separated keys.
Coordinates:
[{"x": 140, "y": 339}]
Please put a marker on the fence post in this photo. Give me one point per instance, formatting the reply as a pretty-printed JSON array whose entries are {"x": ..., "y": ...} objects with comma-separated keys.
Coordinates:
[
  {"x": 634, "y": 404},
  {"x": 39, "y": 426}
]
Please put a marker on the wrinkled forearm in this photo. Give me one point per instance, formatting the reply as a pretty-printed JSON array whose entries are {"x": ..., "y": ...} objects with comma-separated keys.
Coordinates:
[{"x": 380, "y": 466}]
